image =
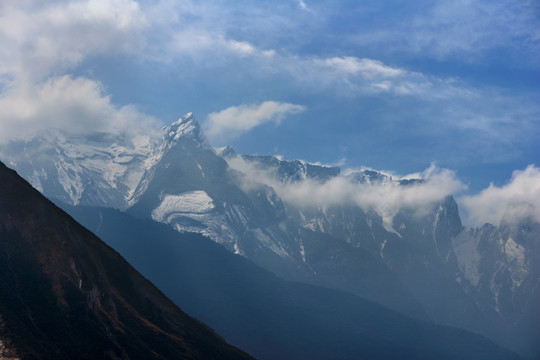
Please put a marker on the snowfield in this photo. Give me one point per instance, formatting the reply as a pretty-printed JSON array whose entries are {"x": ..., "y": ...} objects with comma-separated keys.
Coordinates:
[{"x": 194, "y": 202}]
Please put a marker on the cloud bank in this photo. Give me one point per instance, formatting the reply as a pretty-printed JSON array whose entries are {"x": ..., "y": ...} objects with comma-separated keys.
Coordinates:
[
  {"x": 516, "y": 201},
  {"x": 236, "y": 120},
  {"x": 387, "y": 198}
]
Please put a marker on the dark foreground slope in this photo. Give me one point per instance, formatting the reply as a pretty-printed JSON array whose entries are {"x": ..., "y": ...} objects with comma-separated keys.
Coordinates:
[
  {"x": 269, "y": 317},
  {"x": 64, "y": 294}
]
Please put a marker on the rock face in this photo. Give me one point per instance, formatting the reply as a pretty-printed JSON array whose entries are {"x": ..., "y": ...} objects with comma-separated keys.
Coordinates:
[
  {"x": 499, "y": 267},
  {"x": 485, "y": 280},
  {"x": 64, "y": 294}
]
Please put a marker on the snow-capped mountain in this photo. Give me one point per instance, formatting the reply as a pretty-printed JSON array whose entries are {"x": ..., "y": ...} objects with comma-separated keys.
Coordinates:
[
  {"x": 98, "y": 169},
  {"x": 281, "y": 215}
]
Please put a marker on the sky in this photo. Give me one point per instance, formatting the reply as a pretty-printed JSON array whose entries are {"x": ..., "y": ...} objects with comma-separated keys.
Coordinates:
[{"x": 389, "y": 85}]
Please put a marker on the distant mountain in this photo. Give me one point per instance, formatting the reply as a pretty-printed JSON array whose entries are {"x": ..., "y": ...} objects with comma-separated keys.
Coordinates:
[
  {"x": 486, "y": 280},
  {"x": 438, "y": 259},
  {"x": 64, "y": 294},
  {"x": 269, "y": 317}
]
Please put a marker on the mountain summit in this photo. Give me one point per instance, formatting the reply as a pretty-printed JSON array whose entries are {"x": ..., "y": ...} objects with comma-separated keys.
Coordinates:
[
  {"x": 185, "y": 128},
  {"x": 98, "y": 169}
]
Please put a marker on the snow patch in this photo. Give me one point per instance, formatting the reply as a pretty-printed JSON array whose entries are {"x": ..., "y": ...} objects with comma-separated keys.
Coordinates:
[
  {"x": 302, "y": 250},
  {"x": 194, "y": 202},
  {"x": 69, "y": 178},
  {"x": 183, "y": 130},
  {"x": 515, "y": 254},
  {"x": 381, "y": 251},
  {"x": 201, "y": 169},
  {"x": 435, "y": 223},
  {"x": 269, "y": 243},
  {"x": 237, "y": 250},
  {"x": 387, "y": 222}
]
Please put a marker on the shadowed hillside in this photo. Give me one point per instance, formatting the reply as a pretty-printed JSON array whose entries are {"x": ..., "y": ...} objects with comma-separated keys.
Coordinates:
[{"x": 64, "y": 294}]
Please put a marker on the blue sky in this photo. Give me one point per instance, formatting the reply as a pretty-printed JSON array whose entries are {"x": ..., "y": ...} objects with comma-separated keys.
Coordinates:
[{"x": 389, "y": 85}]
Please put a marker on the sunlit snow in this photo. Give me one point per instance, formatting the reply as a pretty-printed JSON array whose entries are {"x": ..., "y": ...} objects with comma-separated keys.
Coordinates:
[{"x": 189, "y": 202}]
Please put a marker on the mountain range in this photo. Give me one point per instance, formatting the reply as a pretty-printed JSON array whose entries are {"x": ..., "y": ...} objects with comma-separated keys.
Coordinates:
[
  {"x": 418, "y": 260},
  {"x": 265, "y": 315}
]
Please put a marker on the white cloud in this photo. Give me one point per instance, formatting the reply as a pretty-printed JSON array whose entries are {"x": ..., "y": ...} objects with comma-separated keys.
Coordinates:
[
  {"x": 39, "y": 41},
  {"x": 203, "y": 36},
  {"x": 368, "y": 68},
  {"x": 386, "y": 198},
  {"x": 243, "y": 48},
  {"x": 210, "y": 48},
  {"x": 356, "y": 77},
  {"x": 76, "y": 106},
  {"x": 344, "y": 76},
  {"x": 236, "y": 120},
  {"x": 37, "y": 38},
  {"x": 511, "y": 203},
  {"x": 468, "y": 30}
]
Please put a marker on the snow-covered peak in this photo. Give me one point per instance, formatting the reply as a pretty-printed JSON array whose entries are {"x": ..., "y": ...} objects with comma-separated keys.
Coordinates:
[
  {"x": 185, "y": 128},
  {"x": 189, "y": 117}
]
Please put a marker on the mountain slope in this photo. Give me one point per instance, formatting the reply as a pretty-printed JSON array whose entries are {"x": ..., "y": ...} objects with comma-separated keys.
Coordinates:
[
  {"x": 64, "y": 294},
  {"x": 269, "y": 317}
]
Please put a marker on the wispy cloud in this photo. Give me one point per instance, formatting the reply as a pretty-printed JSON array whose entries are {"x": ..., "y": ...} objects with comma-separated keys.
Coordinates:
[
  {"x": 474, "y": 27},
  {"x": 511, "y": 203},
  {"x": 232, "y": 122},
  {"x": 303, "y": 5},
  {"x": 465, "y": 31},
  {"x": 368, "y": 68}
]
